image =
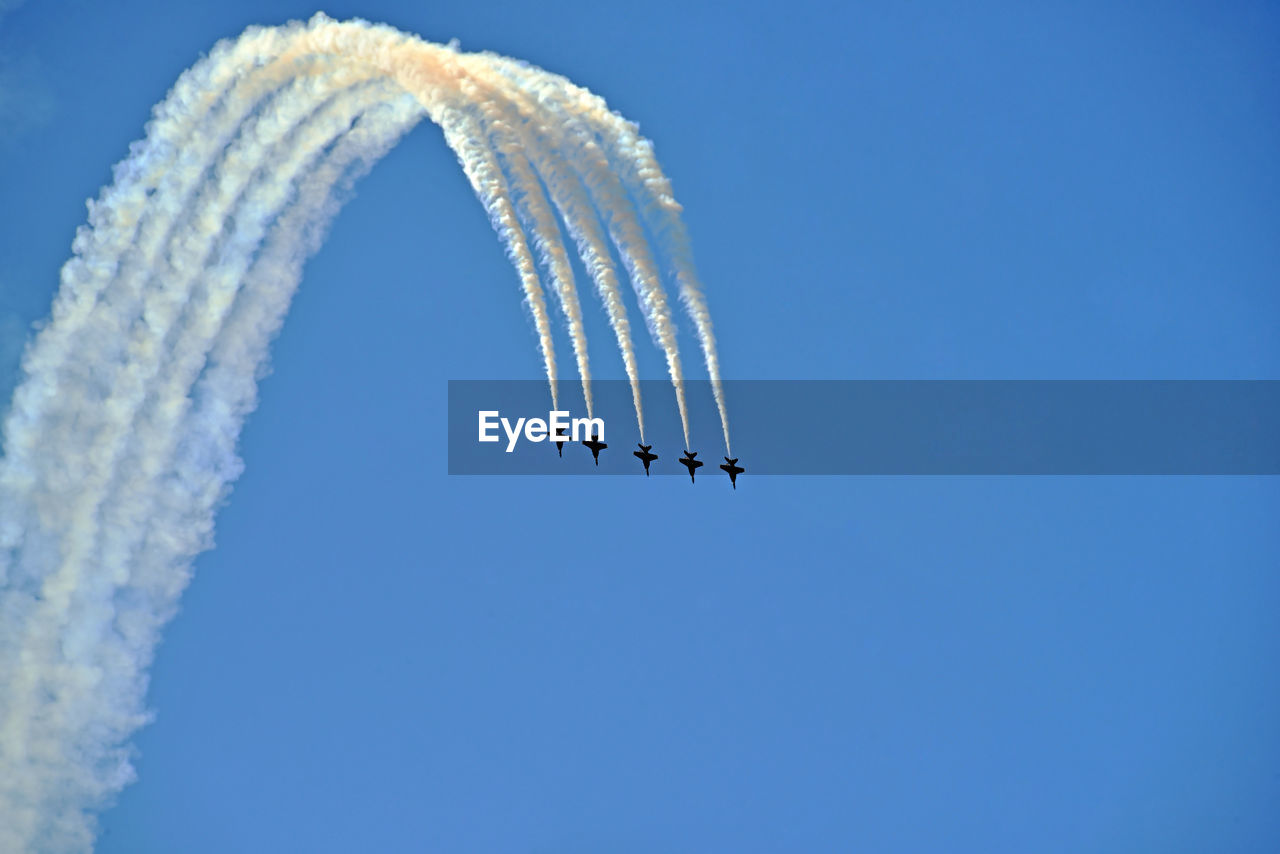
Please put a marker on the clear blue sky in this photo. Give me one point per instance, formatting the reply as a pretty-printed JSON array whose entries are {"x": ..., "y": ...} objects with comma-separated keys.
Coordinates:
[{"x": 378, "y": 657}]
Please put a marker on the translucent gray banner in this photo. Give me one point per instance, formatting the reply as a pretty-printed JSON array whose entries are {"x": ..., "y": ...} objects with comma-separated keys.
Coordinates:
[{"x": 818, "y": 427}]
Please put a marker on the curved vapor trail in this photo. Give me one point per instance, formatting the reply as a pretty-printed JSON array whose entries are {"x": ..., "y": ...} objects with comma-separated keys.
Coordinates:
[
  {"x": 632, "y": 164},
  {"x": 120, "y": 441},
  {"x": 538, "y": 220},
  {"x": 586, "y": 191}
]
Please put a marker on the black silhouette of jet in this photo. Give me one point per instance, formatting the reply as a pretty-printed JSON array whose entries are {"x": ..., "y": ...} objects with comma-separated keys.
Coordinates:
[
  {"x": 596, "y": 446},
  {"x": 690, "y": 463},
  {"x": 560, "y": 449},
  {"x": 645, "y": 457},
  {"x": 731, "y": 466}
]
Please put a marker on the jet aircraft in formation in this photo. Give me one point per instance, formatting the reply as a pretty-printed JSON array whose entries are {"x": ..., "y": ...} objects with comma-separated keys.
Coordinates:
[
  {"x": 596, "y": 446},
  {"x": 733, "y": 469},
  {"x": 689, "y": 462},
  {"x": 646, "y": 456}
]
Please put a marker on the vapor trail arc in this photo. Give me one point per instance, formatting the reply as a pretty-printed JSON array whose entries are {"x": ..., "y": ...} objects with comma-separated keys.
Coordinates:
[{"x": 121, "y": 438}]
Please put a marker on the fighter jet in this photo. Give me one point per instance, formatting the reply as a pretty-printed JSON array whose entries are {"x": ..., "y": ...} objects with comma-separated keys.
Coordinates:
[
  {"x": 731, "y": 466},
  {"x": 645, "y": 457},
  {"x": 690, "y": 463},
  {"x": 560, "y": 449},
  {"x": 596, "y": 446}
]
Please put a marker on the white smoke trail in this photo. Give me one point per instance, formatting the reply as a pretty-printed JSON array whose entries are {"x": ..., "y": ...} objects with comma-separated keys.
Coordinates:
[
  {"x": 556, "y": 152},
  {"x": 466, "y": 136},
  {"x": 574, "y": 205},
  {"x": 632, "y": 155},
  {"x": 631, "y": 161},
  {"x": 175, "y": 298},
  {"x": 580, "y": 129},
  {"x": 121, "y": 438},
  {"x": 85, "y": 597},
  {"x": 538, "y": 220}
]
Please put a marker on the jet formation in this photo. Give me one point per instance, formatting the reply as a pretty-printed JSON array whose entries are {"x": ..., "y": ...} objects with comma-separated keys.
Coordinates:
[
  {"x": 596, "y": 446},
  {"x": 646, "y": 456},
  {"x": 690, "y": 463},
  {"x": 731, "y": 468}
]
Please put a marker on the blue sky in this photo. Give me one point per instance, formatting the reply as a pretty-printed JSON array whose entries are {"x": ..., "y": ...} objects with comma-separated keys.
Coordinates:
[{"x": 377, "y": 656}]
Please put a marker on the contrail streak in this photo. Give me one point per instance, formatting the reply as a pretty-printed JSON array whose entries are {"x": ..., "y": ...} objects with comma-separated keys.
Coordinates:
[
  {"x": 121, "y": 438},
  {"x": 537, "y": 218},
  {"x": 588, "y": 121},
  {"x": 632, "y": 162},
  {"x": 566, "y": 157}
]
